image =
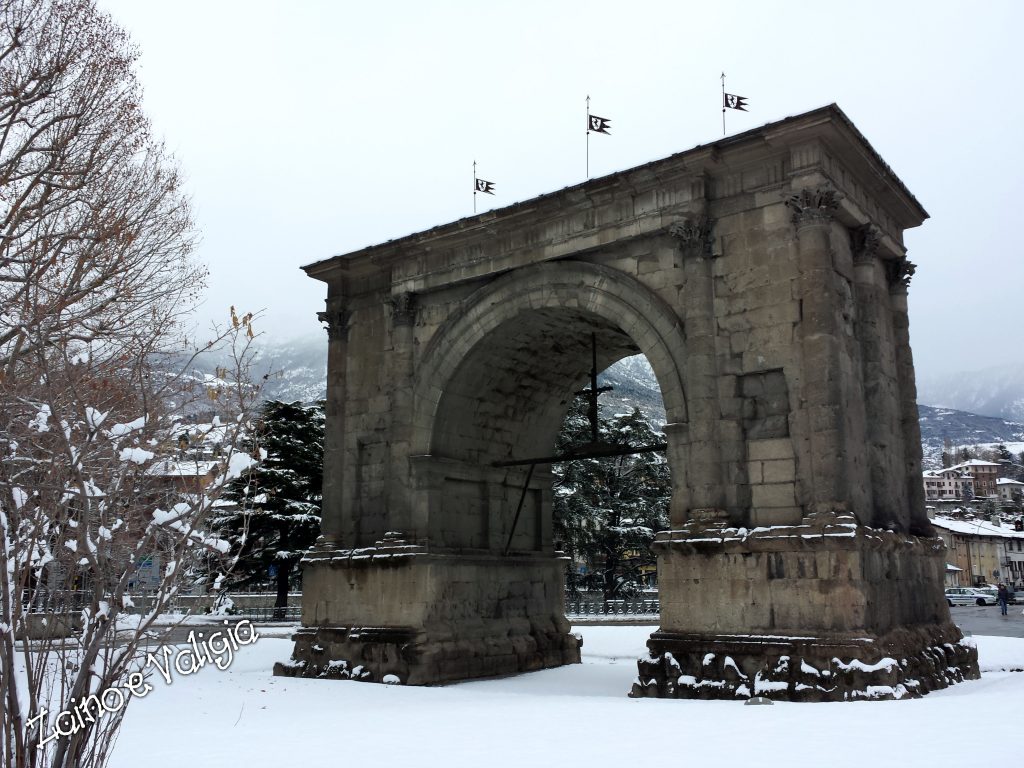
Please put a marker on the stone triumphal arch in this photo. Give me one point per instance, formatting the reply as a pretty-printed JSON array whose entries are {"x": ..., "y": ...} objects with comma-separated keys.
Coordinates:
[{"x": 764, "y": 277}]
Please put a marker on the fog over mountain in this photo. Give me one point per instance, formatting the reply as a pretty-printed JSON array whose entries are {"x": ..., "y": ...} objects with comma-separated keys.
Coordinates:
[
  {"x": 293, "y": 371},
  {"x": 996, "y": 391},
  {"x": 297, "y": 370}
]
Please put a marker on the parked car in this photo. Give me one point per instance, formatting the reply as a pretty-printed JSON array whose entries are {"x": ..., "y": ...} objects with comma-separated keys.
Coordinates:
[
  {"x": 994, "y": 591},
  {"x": 969, "y": 596}
]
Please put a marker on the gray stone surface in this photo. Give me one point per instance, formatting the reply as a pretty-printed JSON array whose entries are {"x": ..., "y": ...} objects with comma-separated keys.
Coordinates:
[{"x": 764, "y": 277}]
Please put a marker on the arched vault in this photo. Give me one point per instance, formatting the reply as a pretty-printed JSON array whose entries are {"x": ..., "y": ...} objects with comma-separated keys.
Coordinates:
[{"x": 526, "y": 337}]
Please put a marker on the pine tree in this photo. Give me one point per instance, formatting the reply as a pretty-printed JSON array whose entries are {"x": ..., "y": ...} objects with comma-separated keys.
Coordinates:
[
  {"x": 967, "y": 495},
  {"x": 1005, "y": 460},
  {"x": 277, "y": 513},
  {"x": 607, "y": 510}
]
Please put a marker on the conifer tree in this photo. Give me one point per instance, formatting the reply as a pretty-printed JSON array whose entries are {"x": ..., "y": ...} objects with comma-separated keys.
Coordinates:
[
  {"x": 607, "y": 510},
  {"x": 277, "y": 513}
]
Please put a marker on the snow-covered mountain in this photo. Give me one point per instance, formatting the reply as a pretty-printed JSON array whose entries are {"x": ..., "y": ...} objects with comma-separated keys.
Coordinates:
[
  {"x": 997, "y": 391},
  {"x": 633, "y": 385},
  {"x": 961, "y": 429},
  {"x": 297, "y": 370},
  {"x": 287, "y": 371}
]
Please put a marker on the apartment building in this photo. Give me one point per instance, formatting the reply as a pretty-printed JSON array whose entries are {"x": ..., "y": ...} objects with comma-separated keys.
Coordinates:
[{"x": 947, "y": 484}]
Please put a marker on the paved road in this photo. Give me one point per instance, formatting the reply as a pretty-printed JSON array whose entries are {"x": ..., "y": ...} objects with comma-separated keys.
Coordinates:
[{"x": 986, "y": 620}]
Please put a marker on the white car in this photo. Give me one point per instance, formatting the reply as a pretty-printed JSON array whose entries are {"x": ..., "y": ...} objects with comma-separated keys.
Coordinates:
[
  {"x": 968, "y": 596},
  {"x": 993, "y": 592}
]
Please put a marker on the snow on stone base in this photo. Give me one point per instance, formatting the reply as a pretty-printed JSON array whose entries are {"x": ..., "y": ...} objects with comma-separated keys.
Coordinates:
[{"x": 802, "y": 671}]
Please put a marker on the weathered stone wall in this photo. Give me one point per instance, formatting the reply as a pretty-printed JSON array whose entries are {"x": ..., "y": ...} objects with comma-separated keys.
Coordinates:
[
  {"x": 395, "y": 610},
  {"x": 780, "y": 340},
  {"x": 829, "y": 610},
  {"x": 836, "y": 578},
  {"x": 764, "y": 277}
]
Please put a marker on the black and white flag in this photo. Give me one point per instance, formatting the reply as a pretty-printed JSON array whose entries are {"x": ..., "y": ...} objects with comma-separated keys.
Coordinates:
[
  {"x": 484, "y": 186},
  {"x": 733, "y": 101},
  {"x": 599, "y": 124}
]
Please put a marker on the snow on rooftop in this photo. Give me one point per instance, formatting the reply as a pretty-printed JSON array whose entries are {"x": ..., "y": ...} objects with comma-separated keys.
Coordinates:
[
  {"x": 183, "y": 468},
  {"x": 977, "y": 528},
  {"x": 207, "y": 432}
]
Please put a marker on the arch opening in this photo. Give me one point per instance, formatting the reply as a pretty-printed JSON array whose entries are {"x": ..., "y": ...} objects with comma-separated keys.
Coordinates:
[
  {"x": 508, "y": 400},
  {"x": 548, "y": 309},
  {"x": 607, "y": 510}
]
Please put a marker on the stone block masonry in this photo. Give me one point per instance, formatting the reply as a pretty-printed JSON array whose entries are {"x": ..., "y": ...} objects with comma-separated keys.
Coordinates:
[
  {"x": 764, "y": 277},
  {"x": 853, "y": 624}
]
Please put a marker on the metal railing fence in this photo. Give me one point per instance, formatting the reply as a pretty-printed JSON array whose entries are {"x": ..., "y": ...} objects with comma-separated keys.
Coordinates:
[{"x": 626, "y": 607}]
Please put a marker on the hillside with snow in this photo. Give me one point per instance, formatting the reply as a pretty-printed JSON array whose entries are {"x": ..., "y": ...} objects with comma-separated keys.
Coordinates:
[
  {"x": 996, "y": 391},
  {"x": 957, "y": 429},
  {"x": 297, "y": 370}
]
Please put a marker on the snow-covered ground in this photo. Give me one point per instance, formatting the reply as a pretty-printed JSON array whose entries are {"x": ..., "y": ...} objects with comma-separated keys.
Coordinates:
[{"x": 577, "y": 715}]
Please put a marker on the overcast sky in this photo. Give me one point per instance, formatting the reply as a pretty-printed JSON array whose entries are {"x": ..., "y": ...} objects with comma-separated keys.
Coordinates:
[{"x": 310, "y": 129}]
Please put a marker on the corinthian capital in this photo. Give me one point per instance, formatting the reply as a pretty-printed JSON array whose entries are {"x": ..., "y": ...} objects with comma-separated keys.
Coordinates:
[
  {"x": 403, "y": 308},
  {"x": 336, "y": 322},
  {"x": 864, "y": 242},
  {"x": 694, "y": 236},
  {"x": 900, "y": 273},
  {"x": 813, "y": 206}
]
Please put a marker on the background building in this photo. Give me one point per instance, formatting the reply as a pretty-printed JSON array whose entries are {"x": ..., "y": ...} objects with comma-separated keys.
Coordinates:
[
  {"x": 985, "y": 552},
  {"x": 947, "y": 484},
  {"x": 983, "y": 473}
]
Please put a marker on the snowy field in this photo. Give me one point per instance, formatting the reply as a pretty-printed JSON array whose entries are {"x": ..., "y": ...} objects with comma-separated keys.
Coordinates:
[{"x": 577, "y": 715}]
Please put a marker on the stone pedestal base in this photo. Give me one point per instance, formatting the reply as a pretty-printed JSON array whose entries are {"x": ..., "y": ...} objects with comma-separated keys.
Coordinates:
[
  {"x": 903, "y": 664},
  {"x": 828, "y": 611},
  {"x": 397, "y": 614}
]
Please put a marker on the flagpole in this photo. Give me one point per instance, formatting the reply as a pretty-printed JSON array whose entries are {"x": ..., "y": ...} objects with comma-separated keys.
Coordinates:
[
  {"x": 723, "y": 103},
  {"x": 474, "y": 186},
  {"x": 588, "y": 136}
]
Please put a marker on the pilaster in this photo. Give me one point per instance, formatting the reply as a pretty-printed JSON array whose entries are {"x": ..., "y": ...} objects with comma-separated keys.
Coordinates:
[
  {"x": 880, "y": 386},
  {"x": 824, "y": 487},
  {"x": 703, "y": 444},
  {"x": 335, "y": 319},
  {"x": 403, "y": 320},
  {"x": 899, "y": 274}
]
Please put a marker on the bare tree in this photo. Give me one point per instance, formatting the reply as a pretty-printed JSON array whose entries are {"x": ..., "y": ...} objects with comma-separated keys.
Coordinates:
[
  {"x": 96, "y": 279},
  {"x": 95, "y": 235}
]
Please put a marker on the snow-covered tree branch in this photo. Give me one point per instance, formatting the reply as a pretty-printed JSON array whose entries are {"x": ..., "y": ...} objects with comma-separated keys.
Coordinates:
[{"x": 96, "y": 279}]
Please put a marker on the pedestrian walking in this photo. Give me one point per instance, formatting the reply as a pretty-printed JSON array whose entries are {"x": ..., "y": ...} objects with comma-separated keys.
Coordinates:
[{"x": 1002, "y": 598}]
